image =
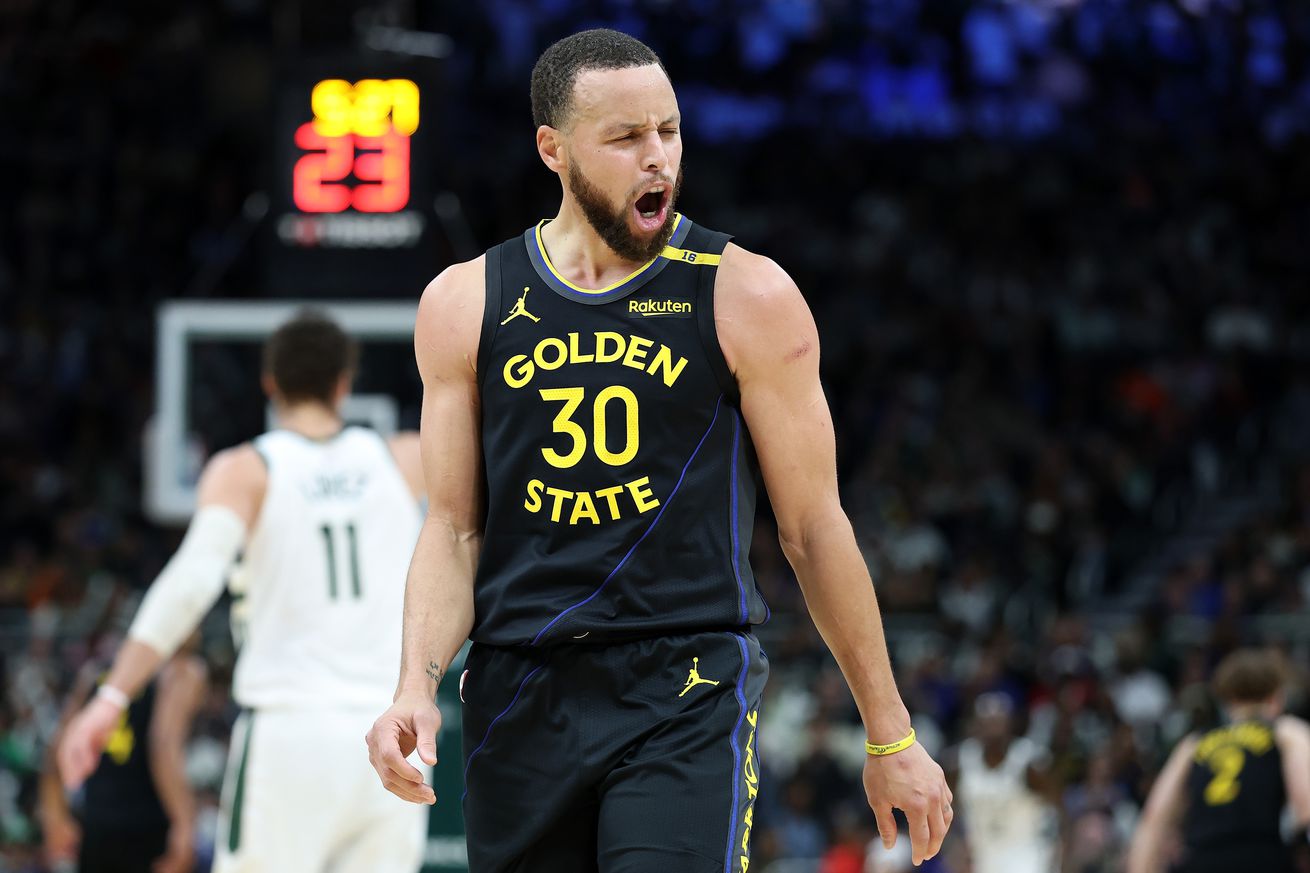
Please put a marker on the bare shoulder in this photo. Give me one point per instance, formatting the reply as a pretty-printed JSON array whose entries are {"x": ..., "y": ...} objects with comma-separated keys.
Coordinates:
[
  {"x": 1289, "y": 727},
  {"x": 1183, "y": 752},
  {"x": 747, "y": 279},
  {"x": 760, "y": 313},
  {"x": 236, "y": 479},
  {"x": 450, "y": 319},
  {"x": 456, "y": 289},
  {"x": 235, "y": 466}
]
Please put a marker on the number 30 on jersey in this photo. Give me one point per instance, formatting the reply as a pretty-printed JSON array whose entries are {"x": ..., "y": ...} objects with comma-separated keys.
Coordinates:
[
  {"x": 564, "y": 423},
  {"x": 604, "y": 504}
]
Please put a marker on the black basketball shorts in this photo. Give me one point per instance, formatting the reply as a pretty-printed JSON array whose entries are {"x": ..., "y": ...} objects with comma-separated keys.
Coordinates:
[
  {"x": 1265, "y": 857},
  {"x": 108, "y": 849},
  {"x": 634, "y": 757}
]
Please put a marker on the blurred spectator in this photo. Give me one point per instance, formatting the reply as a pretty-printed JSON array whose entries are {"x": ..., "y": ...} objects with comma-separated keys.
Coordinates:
[{"x": 1001, "y": 783}]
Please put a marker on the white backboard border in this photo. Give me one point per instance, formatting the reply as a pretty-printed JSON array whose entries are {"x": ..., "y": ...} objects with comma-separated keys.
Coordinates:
[{"x": 171, "y": 460}]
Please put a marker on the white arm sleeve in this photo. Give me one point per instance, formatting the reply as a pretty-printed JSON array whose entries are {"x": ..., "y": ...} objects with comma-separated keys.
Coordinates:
[{"x": 191, "y": 581}]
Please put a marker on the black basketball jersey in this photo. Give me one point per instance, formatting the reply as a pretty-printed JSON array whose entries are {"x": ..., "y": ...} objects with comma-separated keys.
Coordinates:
[
  {"x": 121, "y": 792},
  {"x": 1235, "y": 791},
  {"x": 620, "y": 476}
]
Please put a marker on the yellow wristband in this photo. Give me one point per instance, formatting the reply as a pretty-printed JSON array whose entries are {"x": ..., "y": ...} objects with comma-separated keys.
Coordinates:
[{"x": 890, "y": 748}]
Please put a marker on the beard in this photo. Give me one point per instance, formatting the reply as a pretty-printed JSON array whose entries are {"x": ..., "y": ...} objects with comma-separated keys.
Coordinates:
[{"x": 611, "y": 224}]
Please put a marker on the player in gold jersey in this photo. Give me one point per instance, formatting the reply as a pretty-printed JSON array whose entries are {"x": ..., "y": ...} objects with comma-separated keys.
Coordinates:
[{"x": 1228, "y": 787}]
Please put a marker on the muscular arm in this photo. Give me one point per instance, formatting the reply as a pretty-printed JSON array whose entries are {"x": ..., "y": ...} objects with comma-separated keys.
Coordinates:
[
  {"x": 1163, "y": 806},
  {"x": 233, "y": 480},
  {"x": 772, "y": 346},
  {"x": 1293, "y": 738},
  {"x": 229, "y": 495},
  {"x": 439, "y": 588},
  {"x": 180, "y": 690}
]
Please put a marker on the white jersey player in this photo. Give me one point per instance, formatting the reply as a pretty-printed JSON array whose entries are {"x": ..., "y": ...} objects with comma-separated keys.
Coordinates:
[
  {"x": 1009, "y": 826},
  {"x": 325, "y": 519}
]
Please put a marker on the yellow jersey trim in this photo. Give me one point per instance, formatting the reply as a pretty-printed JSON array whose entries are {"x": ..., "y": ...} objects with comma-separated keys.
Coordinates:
[{"x": 545, "y": 257}]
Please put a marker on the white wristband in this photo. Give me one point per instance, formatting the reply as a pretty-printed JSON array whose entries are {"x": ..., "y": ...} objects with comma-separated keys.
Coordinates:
[{"x": 114, "y": 696}]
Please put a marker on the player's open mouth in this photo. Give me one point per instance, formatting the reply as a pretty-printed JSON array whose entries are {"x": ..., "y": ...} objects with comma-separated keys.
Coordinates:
[{"x": 652, "y": 207}]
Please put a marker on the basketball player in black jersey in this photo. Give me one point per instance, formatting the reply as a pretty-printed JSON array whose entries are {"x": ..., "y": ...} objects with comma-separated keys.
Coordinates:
[
  {"x": 137, "y": 812},
  {"x": 600, "y": 394},
  {"x": 1229, "y": 785}
]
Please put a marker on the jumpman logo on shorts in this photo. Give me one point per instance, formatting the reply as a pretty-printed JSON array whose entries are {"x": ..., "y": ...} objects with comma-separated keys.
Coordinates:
[
  {"x": 694, "y": 679},
  {"x": 520, "y": 308}
]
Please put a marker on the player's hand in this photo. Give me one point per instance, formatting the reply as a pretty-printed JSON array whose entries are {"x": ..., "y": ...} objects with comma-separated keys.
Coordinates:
[
  {"x": 912, "y": 782},
  {"x": 179, "y": 853},
  {"x": 410, "y": 723},
  {"x": 80, "y": 749}
]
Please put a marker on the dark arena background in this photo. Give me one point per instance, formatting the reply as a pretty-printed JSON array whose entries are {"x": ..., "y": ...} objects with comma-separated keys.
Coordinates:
[{"x": 1058, "y": 252}]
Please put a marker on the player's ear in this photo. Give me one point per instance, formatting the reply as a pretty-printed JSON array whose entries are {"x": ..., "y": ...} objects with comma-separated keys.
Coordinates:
[
  {"x": 550, "y": 145},
  {"x": 270, "y": 387},
  {"x": 343, "y": 388}
]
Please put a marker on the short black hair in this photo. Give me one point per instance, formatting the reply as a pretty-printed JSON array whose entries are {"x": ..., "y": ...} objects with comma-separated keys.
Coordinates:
[
  {"x": 308, "y": 355},
  {"x": 558, "y": 67}
]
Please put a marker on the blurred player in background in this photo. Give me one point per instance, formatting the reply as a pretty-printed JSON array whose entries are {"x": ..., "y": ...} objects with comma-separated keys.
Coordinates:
[
  {"x": 1001, "y": 780},
  {"x": 137, "y": 810},
  {"x": 592, "y": 470},
  {"x": 1229, "y": 786},
  {"x": 325, "y": 517}
]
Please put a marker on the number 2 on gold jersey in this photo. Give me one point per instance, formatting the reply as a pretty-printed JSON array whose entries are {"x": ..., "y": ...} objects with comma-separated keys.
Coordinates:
[{"x": 1226, "y": 763}]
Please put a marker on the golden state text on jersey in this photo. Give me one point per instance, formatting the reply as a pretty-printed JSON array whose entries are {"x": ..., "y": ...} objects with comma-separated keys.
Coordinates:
[{"x": 620, "y": 476}]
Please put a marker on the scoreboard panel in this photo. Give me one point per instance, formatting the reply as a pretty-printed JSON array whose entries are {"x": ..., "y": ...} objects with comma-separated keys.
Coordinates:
[{"x": 352, "y": 187}]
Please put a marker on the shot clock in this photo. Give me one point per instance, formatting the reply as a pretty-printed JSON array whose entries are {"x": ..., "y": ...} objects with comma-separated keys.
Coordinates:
[
  {"x": 360, "y": 131},
  {"x": 351, "y": 211}
]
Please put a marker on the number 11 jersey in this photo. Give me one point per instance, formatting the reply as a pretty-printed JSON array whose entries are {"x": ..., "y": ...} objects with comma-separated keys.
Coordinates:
[
  {"x": 620, "y": 476},
  {"x": 318, "y": 596}
]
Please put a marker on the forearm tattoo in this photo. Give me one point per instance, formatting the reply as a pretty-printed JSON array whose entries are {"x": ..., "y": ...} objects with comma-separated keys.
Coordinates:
[{"x": 435, "y": 672}]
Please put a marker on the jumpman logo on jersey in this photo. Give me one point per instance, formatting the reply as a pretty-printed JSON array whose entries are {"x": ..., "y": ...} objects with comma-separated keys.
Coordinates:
[
  {"x": 694, "y": 678},
  {"x": 520, "y": 308}
]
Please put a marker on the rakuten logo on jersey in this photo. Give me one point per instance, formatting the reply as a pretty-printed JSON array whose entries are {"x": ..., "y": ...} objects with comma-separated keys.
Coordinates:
[{"x": 670, "y": 308}]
